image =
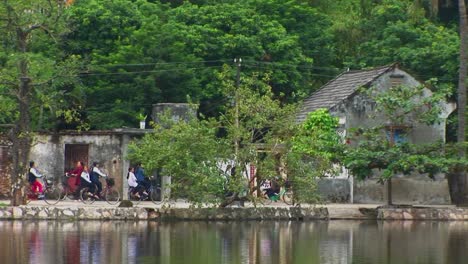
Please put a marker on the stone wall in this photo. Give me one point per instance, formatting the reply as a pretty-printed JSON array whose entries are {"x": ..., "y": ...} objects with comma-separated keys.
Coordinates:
[
  {"x": 233, "y": 214},
  {"x": 422, "y": 213},
  {"x": 72, "y": 213},
  {"x": 138, "y": 213}
]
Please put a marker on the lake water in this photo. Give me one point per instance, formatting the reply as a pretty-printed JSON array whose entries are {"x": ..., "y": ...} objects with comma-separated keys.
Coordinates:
[{"x": 234, "y": 242}]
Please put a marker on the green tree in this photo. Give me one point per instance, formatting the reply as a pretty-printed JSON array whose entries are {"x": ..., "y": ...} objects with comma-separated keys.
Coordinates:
[
  {"x": 32, "y": 71},
  {"x": 192, "y": 164},
  {"x": 319, "y": 148},
  {"x": 152, "y": 52}
]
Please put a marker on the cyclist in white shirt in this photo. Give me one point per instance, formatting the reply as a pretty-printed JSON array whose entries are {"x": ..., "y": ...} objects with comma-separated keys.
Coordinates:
[
  {"x": 94, "y": 176},
  {"x": 86, "y": 180},
  {"x": 133, "y": 183}
]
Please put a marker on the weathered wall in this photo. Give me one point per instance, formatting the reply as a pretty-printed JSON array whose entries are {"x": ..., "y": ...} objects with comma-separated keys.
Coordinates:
[
  {"x": 49, "y": 153},
  {"x": 109, "y": 148},
  {"x": 414, "y": 189},
  {"x": 335, "y": 190},
  {"x": 179, "y": 111},
  {"x": 406, "y": 190}
]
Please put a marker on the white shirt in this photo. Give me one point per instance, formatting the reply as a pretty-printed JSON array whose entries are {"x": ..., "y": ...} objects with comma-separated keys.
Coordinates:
[
  {"x": 35, "y": 172},
  {"x": 96, "y": 170},
  {"x": 132, "y": 180},
  {"x": 85, "y": 176}
]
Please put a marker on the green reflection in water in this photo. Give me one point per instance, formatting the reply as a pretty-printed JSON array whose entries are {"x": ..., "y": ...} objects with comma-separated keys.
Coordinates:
[{"x": 234, "y": 242}]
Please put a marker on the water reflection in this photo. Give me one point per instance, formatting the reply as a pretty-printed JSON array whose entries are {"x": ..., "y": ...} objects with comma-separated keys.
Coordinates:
[{"x": 234, "y": 242}]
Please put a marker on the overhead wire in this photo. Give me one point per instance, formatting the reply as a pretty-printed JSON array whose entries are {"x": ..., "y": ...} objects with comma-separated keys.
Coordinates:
[{"x": 246, "y": 63}]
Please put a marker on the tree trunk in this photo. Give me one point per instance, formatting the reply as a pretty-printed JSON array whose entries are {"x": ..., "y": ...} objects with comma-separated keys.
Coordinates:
[
  {"x": 21, "y": 134},
  {"x": 458, "y": 179}
]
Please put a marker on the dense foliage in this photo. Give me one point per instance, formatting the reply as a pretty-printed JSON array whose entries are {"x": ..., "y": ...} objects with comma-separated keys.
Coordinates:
[
  {"x": 254, "y": 129},
  {"x": 143, "y": 52}
]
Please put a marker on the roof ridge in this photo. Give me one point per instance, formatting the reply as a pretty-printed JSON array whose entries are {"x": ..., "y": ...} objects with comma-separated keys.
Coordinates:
[
  {"x": 373, "y": 69},
  {"x": 343, "y": 86},
  {"x": 353, "y": 71}
]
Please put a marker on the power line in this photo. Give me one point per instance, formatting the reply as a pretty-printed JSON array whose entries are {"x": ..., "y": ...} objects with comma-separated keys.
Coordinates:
[
  {"x": 139, "y": 72},
  {"x": 307, "y": 73},
  {"x": 157, "y": 63},
  {"x": 253, "y": 64}
]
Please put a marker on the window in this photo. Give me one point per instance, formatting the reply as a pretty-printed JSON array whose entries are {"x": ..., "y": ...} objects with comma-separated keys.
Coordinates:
[
  {"x": 399, "y": 136},
  {"x": 396, "y": 80}
]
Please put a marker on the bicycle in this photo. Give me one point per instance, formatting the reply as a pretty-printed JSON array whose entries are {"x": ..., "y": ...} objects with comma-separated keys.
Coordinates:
[
  {"x": 134, "y": 198},
  {"x": 51, "y": 194},
  {"x": 155, "y": 192},
  {"x": 110, "y": 194},
  {"x": 285, "y": 194},
  {"x": 67, "y": 189}
]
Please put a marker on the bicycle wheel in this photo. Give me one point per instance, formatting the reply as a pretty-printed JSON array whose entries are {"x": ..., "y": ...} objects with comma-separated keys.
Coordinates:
[
  {"x": 266, "y": 200},
  {"x": 87, "y": 196},
  {"x": 52, "y": 195},
  {"x": 287, "y": 198},
  {"x": 112, "y": 196},
  {"x": 68, "y": 194},
  {"x": 156, "y": 195},
  {"x": 135, "y": 200}
]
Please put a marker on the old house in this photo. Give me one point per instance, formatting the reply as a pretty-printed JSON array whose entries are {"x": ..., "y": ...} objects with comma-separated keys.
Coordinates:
[
  {"x": 56, "y": 153},
  {"x": 354, "y": 109}
]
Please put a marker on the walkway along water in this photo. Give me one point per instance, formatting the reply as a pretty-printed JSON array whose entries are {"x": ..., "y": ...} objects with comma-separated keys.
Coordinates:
[{"x": 183, "y": 211}]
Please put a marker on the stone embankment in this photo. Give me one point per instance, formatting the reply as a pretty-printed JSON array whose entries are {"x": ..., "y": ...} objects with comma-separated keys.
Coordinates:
[
  {"x": 423, "y": 213},
  {"x": 161, "y": 214},
  {"x": 319, "y": 212}
]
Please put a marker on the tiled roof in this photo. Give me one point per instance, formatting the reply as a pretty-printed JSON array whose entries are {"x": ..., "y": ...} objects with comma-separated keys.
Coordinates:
[{"x": 339, "y": 89}]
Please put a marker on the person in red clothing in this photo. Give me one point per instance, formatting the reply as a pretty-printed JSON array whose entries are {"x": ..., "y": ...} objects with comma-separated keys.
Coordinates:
[
  {"x": 33, "y": 175},
  {"x": 76, "y": 172}
]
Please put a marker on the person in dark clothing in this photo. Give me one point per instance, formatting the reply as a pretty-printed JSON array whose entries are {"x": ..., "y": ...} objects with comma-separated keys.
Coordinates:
[
  {"x": 95, "y": 173},
  {"x": 274, "y": 189},
  {"x": 140, "y": 176}
]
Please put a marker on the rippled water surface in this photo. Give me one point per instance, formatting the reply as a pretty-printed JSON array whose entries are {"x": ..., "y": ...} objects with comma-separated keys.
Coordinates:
[{"x": 234, "y": 242}]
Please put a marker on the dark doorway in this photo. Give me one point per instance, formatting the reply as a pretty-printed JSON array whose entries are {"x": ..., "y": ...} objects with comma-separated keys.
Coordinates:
[{"x": 74, "y": 153}]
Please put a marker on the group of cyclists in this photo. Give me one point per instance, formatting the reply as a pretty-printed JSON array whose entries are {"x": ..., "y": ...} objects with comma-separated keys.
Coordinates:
[
  {"x": 85, "y": 177},
  {"x": 81, "y": 176}
]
